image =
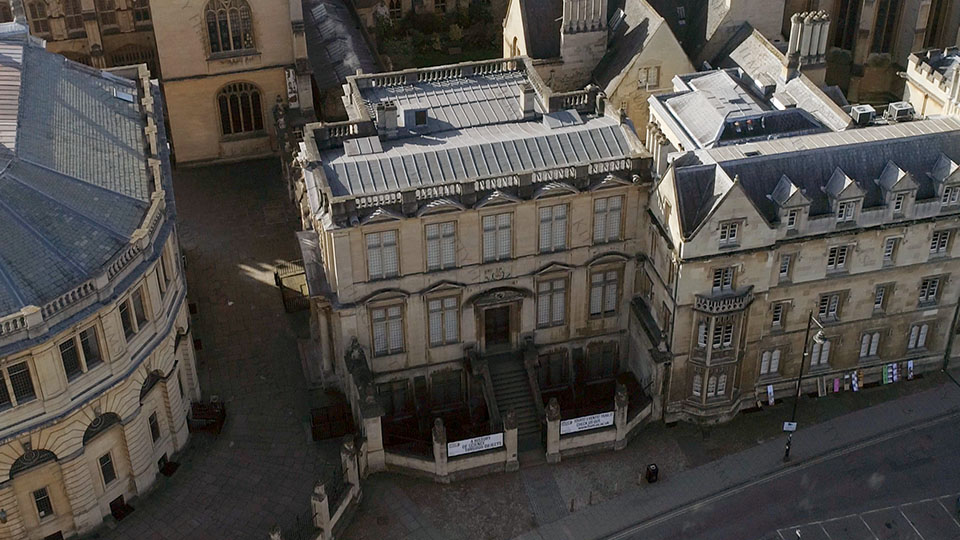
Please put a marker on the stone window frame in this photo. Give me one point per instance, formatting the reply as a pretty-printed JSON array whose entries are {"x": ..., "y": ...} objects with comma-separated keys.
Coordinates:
[
  {"x": 153, "y": 422},
  {"x": 73, "y": 18},
  {"x": 778, "y": 314},
  {"x": 133, "y": 317},
  {"x": 891, "y": 246},
  {"x": 83, "y": 366},
  {"x": 882, "y": 291},
  {"x": 383, "y": 246},
  {"x": 43, "y": 504},
  {"x": 497, "y": 228},
  {"x": 107, "y": 15},
  {"x": 231, "y": 12},
  {"x": 551, "y": 292},
  {"x": 930, "y": 289},
  {"x": 552, "y": 223},
  {"x": 105, "y": 463},
  {"x": 604, "y": 285},
  {"x": 729, "y": 232},
  {"x": 919, "y": 335},
  {"x": 839, "y": 255},
  {"x": 39, "y": 18},
  {"x": 444, "y": 313},
  {"x": 785, "y": 267},
  {"x": 772, "y": 357},
  {"x": 444, "y": 241},
  {"x": 385, "y": 306},
  {"x": 847, "y": 211},
  {"x": 899, "y": 203},
  {"x": 240, "y": 102},
  {"x": 941, "y": 241},
  {"x": 726, "y": 276},
  {"x": 835, "y": 299},
  {"x": 608, "y": 235},
  {"x": 9, "y": 398},
  {"x": 870, "y": 344}
]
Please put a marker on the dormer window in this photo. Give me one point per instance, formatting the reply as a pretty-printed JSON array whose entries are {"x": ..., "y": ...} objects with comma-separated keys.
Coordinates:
[
  {"x": 793, "y": 216},
  {"x": 898, "y": 202},
  {"x": 420, "y": 118},
  {"x": 951, "y": 196},
  {"x": 846, "y": 211},
  {"x": 729, "y": 233}
]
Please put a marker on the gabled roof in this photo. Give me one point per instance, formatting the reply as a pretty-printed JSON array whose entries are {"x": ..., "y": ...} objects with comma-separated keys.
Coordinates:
[
  {"x": 628, "y": 41},
  {"x": 336, "y": 47},
  {"x": 819, "y": 165},
  {"x": 74, "y": 182},
  {"x": 541, "y": 26}
]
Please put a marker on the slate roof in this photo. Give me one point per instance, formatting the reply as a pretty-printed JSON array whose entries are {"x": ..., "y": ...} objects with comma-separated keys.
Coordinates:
[
  {"x": 690, "y": 30},
  {"x": 629, "y": 39},
  {"x": 474, "y": 152},
  {"x": 335, "y": 45},
  {"x": 74, "y": 184},
  {"x": 541, "y": 21},
  {"x": 809, "y": 162}
]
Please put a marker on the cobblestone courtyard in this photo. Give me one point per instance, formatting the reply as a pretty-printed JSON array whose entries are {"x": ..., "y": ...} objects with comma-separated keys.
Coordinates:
[{"x": 234, "y": 225}]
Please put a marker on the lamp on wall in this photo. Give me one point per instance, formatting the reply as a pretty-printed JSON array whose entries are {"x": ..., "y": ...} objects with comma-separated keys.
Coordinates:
[{"x": 3, "y": 515}]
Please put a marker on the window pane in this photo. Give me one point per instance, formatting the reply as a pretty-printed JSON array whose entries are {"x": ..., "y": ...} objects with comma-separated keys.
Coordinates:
[
  {"x": 138, "y": 308},
  {"x": 70, "y": 358},
  {"x": 91, "y": 347},
  {"x": 106, "y": 467},
  {"x": 154, "y": 427},
  {"x": 596, "y": 299},
  {"x": 235, "y": 116},
  {"x": 245, "y": 110},
  {"x": 22, "y": 383},
  {"x": 126, "y": 321},
  {"x": 4, "y": 394},
  {"x": 42, "y": 500},
  {"x": 452, "y": 323},
  {"x": 224, "y": 115},
  {"x": 436, "y": 327}
]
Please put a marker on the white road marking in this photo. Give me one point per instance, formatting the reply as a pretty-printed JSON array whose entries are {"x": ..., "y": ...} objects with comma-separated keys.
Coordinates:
[
  {"x": 953, "y": 515},
  {"x": 910, "y": 523},
  {"x": 825, "y": 532},
  {"x": 865, "y": 524}
]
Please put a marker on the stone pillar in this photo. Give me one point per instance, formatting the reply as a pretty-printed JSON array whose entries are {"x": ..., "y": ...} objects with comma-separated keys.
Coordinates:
[
  {"x": 348, "y": 461},
  {"x": 320, "y": 505},
  {"x": 376, "y": 461},
  {"x": 140, "y": 451},
  {"x": 510, "y": 440},
  {"x": 553, "y": 431},
  {"x": 440, "y": 449},
  {"x": 176, "y": 418},
  {"x": 326, "y": 353},
  {"x": 13, "y": 529},
  {"x": 78, "y": 484},
  {"x": 621, "y": 401}
]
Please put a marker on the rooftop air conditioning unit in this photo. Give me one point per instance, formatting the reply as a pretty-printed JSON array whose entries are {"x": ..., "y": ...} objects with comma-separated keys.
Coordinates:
[
  {"x": 862, "y": 114},
  {"x": 900, "y": 111}
]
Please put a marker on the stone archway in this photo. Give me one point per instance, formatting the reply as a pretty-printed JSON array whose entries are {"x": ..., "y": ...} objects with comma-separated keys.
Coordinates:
[
  {"x": 99, "y": 425},
  {"x": 31, "y": 458}
]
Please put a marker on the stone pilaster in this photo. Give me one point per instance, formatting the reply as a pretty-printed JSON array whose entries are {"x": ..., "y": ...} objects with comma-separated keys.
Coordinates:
[
  {"x": 177, "y": 419},
  {"x": 553, "y": 431},
  {"x": 13, "y": 529},
  {"x": 78, "y": 483},
  {"x": 440, "y": 449},
  {"x": 140, "y": 451}
]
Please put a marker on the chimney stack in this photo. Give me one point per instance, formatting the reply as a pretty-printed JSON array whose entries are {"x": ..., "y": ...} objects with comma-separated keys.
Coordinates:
[
  {"x": 807, "y": 48},
  {"x": 387, "y": 119},
  {"x": 528, "y": 100}
]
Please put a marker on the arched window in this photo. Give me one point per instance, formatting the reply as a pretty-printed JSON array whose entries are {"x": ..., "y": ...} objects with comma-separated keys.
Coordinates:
[
  {"x": 73, "y": 16},
  {"x": 722, "y": 384},
  {"x": 396, "y": 9},
  {"x": 697, "y": 384},
  {"x": 229, "y": 25},
  {"x": 37, "y": 11},
  {"x": 30, "y": 459},
  {"x": 240, "y": 109},
  {"x": 99, "y": 425},
  {"x": 712, "y": 386}
]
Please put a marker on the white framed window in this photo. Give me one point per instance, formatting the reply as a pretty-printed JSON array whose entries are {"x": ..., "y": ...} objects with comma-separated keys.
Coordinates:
[
  {"x": 722, "y": 384},
  {"x": 702, "y": 334},
  {"x": 712, "y": 386},
  {"x": 939, "y": 242},
  {"x": 880, "y": 297},
  {"x": 551, "y": 302},
  {"x": 697, "y": 388},
  {"x": 890, "y": 246},
  {"x": 648, "y": 77},
  {"x": 444, "y": 319},
  {"x": 951, "y": 195},
  {"x": 441, "y": 245},
  {"x": 387, "y": 330},
  {"x": 820, "y": 355},
  {"x": 16, "y": 386},
  {"x": 42, "y": 500},
  {"x": 846, "y": 211},
  {"x": 929, "y": 289},
  {"x": 918, "y": 336},
  {"x": 604, "y": 292},
  {"x": 723, "y": 279},
  {"x": 107, "y": 471},
  {"x": 869, "y": 344},
  {"x": 793, "y": 216},
  {"x": 723, "y": 334},
  {"x": 382, "y": 260},
  {"x": 837, "y": 257},
  {"x": 80, "y": 353},
  {"x": 770, "y": 362},
  {"x": 606, "y": 219},
  {"x": 133, "y": 313},
  {"x": 497, "y": 237},
  {"x": 729, "y": 233},
  {"x": 898, "y": 201},
  {"x": 553, "y": 228},
  {"x": 163, "y": 272},
  {"x": 785, "y": 263},
  {"x": 829, "y": 308},
  {"x": 778, "y": 313}
]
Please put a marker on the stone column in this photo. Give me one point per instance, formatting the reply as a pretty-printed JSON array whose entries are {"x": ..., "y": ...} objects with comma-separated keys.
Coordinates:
[
  {"x": 376, "y": 460},
  {"x": 621, "y": 402},
  {"x": 553, "y": 431},
  {"x": 78, "y": 483},
  {"x": 177, "y": 420},
  {"x": 320, "y": 505},
  {"x": 510, "y": 440},
  {"x": 348, "y": 461},
  {"x": 440, "y": 449},
  {"x": 13, "y": 529},
  {"x": 140, "y": 451}
]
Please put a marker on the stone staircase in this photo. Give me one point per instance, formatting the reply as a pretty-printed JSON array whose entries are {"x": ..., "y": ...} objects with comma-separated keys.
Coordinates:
[{"x": 511, "y": 387}]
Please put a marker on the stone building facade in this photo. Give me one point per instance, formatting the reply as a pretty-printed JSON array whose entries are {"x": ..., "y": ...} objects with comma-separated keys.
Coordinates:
[
  {"x": 226, "y": 65},
  {"x": 933, "y": 82},
  {"x": 99, "y": 33},
  {"x": 97, "y": 369},
  {"x": 467, "y": 216},
  {"x": 856, "y": 229}
]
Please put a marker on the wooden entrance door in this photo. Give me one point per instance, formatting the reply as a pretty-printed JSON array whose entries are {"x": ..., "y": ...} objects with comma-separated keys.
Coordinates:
[{"x": 496, "y": 327}]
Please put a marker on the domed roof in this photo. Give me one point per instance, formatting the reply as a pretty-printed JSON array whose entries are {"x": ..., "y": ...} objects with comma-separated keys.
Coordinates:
[{"x": 75, "y": 181}]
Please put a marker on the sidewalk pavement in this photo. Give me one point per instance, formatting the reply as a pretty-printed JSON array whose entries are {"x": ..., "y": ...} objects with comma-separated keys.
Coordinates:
[
  {"x": 591, "y": 496},
  {"x": 828, "y": 439}
]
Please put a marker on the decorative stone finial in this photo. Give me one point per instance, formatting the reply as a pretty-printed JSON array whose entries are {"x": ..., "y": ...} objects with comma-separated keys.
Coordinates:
[
  {"x": 510, "y": 420},
  {"x": 553, "y": 410},
  {"x": 439, "y": 432},
  {"x": 621, "y": 398}
]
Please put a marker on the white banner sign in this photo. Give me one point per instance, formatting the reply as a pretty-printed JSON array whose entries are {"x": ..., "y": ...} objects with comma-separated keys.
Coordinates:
[
  {"x": 584, "y": 423},
  {"x": 476, "y": 444},
  {"x": 293, "y": 91}
]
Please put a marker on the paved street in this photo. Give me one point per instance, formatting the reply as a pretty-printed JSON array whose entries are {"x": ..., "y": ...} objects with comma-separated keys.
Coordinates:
[{"x": 234, "y": 225}]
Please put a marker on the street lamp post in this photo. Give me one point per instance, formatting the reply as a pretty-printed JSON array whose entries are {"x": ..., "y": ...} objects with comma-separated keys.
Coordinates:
[{"x": 803, "y": 361}]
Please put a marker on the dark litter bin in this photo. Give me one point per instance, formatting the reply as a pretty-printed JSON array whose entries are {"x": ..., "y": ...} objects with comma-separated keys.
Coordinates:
[{"x": 652, "y": 473}]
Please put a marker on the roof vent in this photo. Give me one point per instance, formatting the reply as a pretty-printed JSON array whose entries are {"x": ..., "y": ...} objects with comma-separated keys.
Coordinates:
[
  {"x": 900, "y": 111},
  {"x": 862, "y": 114}
]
